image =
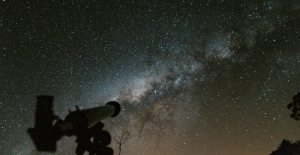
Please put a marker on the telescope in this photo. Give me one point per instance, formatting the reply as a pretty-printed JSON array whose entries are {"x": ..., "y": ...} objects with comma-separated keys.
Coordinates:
[{"x": 85, "y": 124}]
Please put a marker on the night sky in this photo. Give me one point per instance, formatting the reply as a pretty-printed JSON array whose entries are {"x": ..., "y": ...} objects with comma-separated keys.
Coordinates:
[{"x": 193, "y": 77}]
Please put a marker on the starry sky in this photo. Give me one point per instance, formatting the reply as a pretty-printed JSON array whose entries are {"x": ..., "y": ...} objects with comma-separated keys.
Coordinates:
[{"x": 193, "y": 77}]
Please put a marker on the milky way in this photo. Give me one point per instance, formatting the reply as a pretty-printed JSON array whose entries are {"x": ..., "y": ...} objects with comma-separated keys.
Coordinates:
[{"x": 195, "y": 78}]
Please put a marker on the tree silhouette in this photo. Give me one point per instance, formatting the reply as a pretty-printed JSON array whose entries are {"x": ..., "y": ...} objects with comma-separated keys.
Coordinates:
[
  {"x": 287, "y": 148},
  {"x": 295, "y": 107},
  {"x": 121, "y": 139}
]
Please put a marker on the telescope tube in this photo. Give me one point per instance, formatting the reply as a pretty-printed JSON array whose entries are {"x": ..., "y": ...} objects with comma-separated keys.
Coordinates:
[{"x": 83, "y": 119}]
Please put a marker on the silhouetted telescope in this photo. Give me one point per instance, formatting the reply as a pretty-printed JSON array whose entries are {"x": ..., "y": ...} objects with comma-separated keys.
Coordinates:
[{"x": 84, "y": 124}]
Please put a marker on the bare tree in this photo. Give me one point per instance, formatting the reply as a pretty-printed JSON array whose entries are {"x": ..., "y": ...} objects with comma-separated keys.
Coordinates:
[{"x": 121, "y": 139}]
